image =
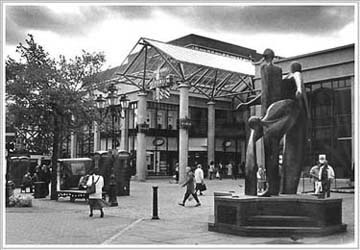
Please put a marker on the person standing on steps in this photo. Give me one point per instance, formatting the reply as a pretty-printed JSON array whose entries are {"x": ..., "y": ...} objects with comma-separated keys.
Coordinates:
[
  {"x": 95, "y": 199},
  {"x": 190, "y": 187}
]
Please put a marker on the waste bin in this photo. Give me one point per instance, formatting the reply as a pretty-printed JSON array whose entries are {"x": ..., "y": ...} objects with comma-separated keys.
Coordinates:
[{"x": 40, "y": 189}]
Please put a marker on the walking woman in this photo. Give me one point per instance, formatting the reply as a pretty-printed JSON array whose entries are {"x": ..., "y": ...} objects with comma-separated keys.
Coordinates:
[
  {"x": 190, "y": 187},
  {"x": 95, "y": 199}
]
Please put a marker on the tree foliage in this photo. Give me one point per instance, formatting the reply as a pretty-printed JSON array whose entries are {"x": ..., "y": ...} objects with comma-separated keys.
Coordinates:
[
  {"x": 47, "y": 98},
  {"x": 42, "y": 91}
]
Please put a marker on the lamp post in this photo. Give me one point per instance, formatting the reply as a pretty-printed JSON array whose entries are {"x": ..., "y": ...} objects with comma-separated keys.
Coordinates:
[{"x": 115, "y": 104}]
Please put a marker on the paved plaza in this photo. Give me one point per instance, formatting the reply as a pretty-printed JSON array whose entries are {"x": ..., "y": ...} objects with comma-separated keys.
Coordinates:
[{"x": 64, "y": 222}]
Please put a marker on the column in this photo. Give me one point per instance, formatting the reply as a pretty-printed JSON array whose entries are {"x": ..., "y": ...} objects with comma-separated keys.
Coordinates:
[
  {"x": 124, "y": 141},
  {"x": 183, "y": 131},
  {"x": 97, "y": 145},
  {"x": 126, "y": 130},
  {"x": 141, "y": 138},
  {"x": 211, "y": 132}
]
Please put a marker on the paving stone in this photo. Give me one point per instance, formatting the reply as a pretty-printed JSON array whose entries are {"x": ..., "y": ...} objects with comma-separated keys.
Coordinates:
[{"x": 64, "y": 222}]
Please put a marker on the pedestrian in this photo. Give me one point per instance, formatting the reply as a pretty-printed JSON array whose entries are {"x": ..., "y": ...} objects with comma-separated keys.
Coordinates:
[
  {"x": 177, "y": 172},
  {"x": 46, "y": 177},
  {"x": 242, "y": 169},
  {"x": 95, "y": 199},
  {"x": 229, "y": 167},
  {"x": 314, "y": 175},
  {"x": 219, "y": 171},
  {"x": 211, "y": 170},
  {"x": 326, "y": 175},
  {"x": 190, "y": 187},
  {"x": 235, "y": 171},
  {"x": 199, "y": 179},
  {"x": 261, "y": 176},
  {"x": 27, "y": 182}
]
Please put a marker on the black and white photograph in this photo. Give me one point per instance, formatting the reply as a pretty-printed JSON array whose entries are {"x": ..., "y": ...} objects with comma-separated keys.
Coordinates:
[{"x": 179, "y": 124}]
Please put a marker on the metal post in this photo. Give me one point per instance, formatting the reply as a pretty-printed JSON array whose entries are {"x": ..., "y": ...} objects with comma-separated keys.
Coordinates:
[
  {"x": 155, "y": 203},
  {"x": 113, "y": 129}
]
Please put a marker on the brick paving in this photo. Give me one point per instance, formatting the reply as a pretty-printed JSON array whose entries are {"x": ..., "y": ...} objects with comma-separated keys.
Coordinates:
[{"x": 63, "y": 222}]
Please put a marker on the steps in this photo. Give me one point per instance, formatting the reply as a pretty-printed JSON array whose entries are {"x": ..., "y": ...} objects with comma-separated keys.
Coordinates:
[{"x": 280, "y": 221}]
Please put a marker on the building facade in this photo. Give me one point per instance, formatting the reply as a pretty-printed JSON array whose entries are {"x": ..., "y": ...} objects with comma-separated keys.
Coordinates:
[{"x": 329, "y": 79}]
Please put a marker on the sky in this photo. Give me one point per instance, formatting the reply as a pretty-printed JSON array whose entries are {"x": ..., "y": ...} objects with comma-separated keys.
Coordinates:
[{"x": 66, "y": 29}]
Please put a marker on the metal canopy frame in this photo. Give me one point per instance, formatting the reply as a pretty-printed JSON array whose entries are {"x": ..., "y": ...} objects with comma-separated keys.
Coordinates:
[{"x": 139, "y": 68}]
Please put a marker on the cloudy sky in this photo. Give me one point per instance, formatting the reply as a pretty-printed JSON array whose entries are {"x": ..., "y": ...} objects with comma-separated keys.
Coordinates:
[{"x": 114, "y": 29}]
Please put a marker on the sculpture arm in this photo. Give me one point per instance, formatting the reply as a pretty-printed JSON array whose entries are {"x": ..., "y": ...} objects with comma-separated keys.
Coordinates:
[
  {"x": 249, "y": 102},
  {"x": 301, "y": 92}
]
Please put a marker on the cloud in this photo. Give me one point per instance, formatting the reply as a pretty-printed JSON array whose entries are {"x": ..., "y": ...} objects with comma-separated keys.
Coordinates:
[
  {"x": 79, "y": 20},
  {"x": 265, "y": 19},
  {"x": 21, "y": 19}
]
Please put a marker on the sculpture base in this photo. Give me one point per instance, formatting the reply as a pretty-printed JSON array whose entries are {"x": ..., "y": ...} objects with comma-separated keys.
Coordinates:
[{"x": 280, "y": 216}]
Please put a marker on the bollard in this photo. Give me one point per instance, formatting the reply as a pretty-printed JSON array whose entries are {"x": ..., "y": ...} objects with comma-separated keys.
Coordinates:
[
  {"x": 155, "y": 203},
  {"x": 112, "y": 192}
]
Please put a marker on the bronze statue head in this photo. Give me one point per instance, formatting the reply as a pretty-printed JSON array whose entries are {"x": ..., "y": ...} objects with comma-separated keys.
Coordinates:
[
  {"x": 295, "y": 67},
  {"x": 268, "y": 55}
]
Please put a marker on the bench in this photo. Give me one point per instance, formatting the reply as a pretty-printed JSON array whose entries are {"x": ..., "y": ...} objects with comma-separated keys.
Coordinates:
[{"x": 76, "y": 194}]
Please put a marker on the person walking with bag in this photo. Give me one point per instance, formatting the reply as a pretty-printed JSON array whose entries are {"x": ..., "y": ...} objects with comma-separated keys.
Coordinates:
[
  {"x": 199, "y": 180},
  {"x": 95, "y": 185},
  {"x": 190, "y": 187}
]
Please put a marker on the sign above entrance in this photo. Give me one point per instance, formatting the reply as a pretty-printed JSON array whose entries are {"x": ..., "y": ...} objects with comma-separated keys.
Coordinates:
[{"x": 158, "y": 141}]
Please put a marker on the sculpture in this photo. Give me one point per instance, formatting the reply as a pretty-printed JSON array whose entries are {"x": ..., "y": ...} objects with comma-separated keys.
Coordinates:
[{"x": 284, "y": 111}]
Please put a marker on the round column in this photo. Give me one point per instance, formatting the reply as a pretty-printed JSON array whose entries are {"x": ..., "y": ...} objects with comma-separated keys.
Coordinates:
[
  {"x": 141, "y": 138},
  {"x": 126, "y": 130},
  {"x": 211, "y": 132},
  {"x": 183, "y": 131},
  {"x": 124, "y": 141}
]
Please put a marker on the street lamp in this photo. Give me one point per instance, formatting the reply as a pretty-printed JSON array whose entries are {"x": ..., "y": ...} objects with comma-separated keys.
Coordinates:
[{"x": 114, "y": 103}]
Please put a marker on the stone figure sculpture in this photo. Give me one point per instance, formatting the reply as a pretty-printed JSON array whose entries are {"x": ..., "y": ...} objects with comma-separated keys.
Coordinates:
[{"x": 284, "y": 111}]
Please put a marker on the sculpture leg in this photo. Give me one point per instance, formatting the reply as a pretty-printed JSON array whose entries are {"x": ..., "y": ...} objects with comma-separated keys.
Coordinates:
[
  {"x": 278, "y": 118},
  {"x": 271, "y": 150},
  {"x": 294, "y": 154},
  {"x": 251, "y": 166}
]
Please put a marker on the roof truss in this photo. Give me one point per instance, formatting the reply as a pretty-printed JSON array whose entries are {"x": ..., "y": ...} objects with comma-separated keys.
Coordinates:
[{"x": 145, "y": 60}]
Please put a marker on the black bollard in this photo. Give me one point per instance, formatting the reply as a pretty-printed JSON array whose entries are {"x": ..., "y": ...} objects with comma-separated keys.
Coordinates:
[
  {"x": 155, "y": 203},
  {"x": 112, "y": 192}
]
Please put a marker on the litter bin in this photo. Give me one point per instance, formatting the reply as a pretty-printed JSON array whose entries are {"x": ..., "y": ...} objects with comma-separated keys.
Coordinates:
[{"x": 40, "y": 189}]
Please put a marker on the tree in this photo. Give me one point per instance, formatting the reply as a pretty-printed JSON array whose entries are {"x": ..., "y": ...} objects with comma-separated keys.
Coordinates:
[{"x": 49, "y": 98}]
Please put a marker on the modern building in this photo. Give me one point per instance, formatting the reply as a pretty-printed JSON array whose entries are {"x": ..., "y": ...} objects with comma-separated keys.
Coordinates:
[{"x": 197, "y": 122}]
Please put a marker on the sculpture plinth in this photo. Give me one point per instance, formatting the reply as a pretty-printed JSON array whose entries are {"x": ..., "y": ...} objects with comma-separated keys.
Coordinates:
[{"x": 284, "y": 215}]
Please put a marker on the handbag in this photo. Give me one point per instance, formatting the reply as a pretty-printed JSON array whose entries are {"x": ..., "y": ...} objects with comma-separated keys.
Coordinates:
[
  {"x": 92, "y": 188},
  {"x": 202, "y": 187}
]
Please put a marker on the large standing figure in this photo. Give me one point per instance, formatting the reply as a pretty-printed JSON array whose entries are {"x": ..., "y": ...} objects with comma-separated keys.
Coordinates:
[
  {"x": 284, "y": 112},
  {"x": 271, "y": 78}
]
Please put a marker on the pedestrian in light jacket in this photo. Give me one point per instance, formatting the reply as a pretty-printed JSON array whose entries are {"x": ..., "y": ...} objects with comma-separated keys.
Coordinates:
[{"x": 199, "y": 179}]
